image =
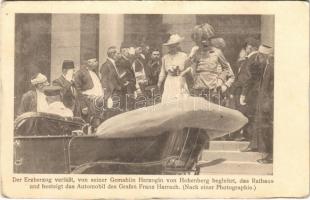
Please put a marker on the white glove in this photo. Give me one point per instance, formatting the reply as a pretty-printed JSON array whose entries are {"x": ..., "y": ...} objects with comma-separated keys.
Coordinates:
[
  {"x": 219, "y": 82},
  {"x": 223, "y": 88},
  {"x": 242, "y": 100},
  {"x": 193, "y": 51},
  {"x": 110, "y": 102}
]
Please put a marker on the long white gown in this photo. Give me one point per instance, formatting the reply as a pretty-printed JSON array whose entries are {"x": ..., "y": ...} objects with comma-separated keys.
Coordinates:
[{"x": 175, "y": 87}]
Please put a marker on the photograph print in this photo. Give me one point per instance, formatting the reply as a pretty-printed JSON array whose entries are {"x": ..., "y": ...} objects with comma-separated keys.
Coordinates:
[{"x": 143, "y": 94}]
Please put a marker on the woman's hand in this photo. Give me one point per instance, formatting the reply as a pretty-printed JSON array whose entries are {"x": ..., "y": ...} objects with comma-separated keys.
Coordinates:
[
  {"x": 185, "y": 72},
  {"x": 242, "y": 100}
]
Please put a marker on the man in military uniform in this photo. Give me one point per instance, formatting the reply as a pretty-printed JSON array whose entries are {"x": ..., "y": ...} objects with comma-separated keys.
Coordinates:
[{"x": 212, "y": 72}]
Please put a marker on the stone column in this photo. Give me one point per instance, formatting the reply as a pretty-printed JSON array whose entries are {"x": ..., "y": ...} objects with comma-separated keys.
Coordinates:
[
  {"x": 65, "y": 41},
  {"x": 111, "y": 33},
  {"x": 267, "y": 30},
  {"x": 182, "y": 25}
]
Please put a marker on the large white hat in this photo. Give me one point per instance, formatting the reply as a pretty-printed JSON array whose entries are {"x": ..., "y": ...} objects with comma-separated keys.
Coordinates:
[
  {"x": 40, "y": 78},
  {"x": 174, "y": 39}
]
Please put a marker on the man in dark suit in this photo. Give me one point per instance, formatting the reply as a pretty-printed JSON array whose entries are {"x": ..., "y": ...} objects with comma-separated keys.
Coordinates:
[
  {"x": 258, "y": 94},
  {"x": 242, "y": 74},
  {"x": 139, "y": 67},
  {"x": 65, "y": 81},
  {"x": 86, "y": 80},
  {"x": 110, "y": 76},
  {"x": 87, "y": 85},
  {"x": 128, "y": 78},
  {"x": 264, "y": 109},
  {"x": 153, "y": 67}
]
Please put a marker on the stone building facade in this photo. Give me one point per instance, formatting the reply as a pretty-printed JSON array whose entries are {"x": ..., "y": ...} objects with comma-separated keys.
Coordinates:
[{"x": 43, "y": 41}]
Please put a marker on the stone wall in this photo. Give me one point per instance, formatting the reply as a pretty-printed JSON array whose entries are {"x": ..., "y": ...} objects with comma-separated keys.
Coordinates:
[
  {"x": 65, "y": 41},
  {"x": 267, "y": 29},
  {"x": 182, "y": 25}
]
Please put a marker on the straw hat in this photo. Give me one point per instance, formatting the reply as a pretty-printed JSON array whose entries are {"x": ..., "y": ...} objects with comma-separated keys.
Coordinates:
[{"x": 174, "y": 39}]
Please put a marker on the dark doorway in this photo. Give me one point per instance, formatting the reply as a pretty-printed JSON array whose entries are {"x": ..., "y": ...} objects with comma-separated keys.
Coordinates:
[
  {"x": 32, "y": 50},
  {"x": 145, "y": 29}
]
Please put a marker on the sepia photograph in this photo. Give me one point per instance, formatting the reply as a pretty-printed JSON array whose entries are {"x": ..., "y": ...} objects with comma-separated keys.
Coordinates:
[
  {"x": 143, "y": 94},
  {"x": 154, "y": 99}
]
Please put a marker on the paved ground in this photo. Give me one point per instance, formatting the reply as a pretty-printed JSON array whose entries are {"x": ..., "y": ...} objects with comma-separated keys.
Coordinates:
[{"x": 224, "y": 157}]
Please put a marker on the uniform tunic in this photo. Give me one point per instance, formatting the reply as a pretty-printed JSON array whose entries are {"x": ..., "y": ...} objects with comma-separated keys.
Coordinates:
[{"x": 210, "y": 68}]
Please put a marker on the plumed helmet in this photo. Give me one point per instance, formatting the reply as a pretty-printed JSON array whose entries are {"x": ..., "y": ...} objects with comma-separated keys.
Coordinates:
[{"x": 202, "y": 32}]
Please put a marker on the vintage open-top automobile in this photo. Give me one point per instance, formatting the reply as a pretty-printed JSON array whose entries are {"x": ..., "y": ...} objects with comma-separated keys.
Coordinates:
[{"x": 159, "y": 139}]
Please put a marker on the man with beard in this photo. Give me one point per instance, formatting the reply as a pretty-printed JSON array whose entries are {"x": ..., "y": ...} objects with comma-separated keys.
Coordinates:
[
  {"x": 65, "y": 82},
  {"x": 153, "y": 67},
  {"x": 34, "y": 100},
  {"x": 127, "y": 92}
]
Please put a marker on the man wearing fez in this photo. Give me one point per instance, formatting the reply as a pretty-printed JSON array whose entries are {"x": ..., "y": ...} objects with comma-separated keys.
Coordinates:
[
  {"x": 127, "y": 92},
  {"x": 65, "y": 81},
  {"x": 263, "y": 80},
  {"x": 55, "y": 106},
  {"x": 34, "y": 100}
]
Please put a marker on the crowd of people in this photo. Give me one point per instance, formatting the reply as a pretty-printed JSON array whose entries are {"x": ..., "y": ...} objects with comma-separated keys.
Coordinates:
[{"x": 134, "y": 71}]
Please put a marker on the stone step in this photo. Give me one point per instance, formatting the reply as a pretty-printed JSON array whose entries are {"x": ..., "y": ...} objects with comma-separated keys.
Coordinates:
[
  {"x": 230, "y": 156},
  {"x": 234, "y": 167},
  {"x": 227, "y": 145}
]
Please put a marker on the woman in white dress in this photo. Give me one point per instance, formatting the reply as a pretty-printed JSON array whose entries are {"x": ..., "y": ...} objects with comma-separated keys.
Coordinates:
[{"x": 173, "y": 71}]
